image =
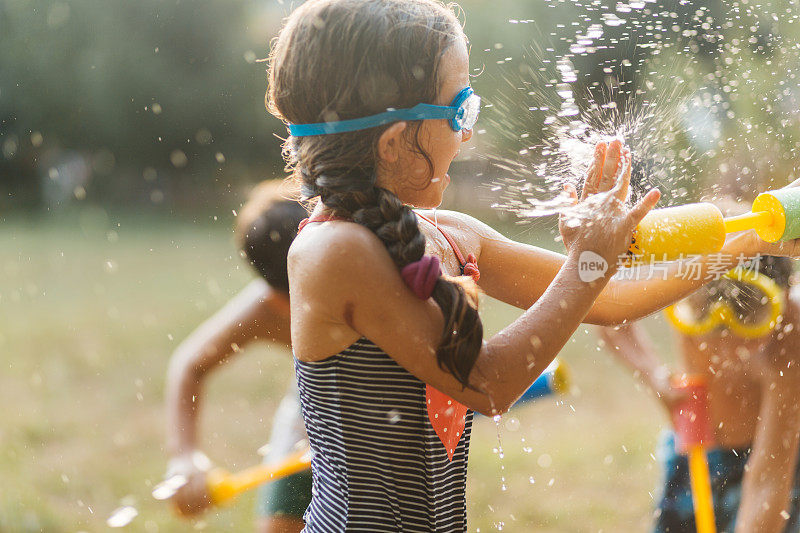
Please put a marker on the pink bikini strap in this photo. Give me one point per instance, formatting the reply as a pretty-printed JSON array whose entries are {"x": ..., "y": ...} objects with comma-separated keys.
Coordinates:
[{"x": 469, "y": 267}]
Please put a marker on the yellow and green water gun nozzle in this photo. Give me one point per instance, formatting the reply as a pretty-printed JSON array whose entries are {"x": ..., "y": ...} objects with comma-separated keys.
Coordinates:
[{"x": 700, "y": 229}]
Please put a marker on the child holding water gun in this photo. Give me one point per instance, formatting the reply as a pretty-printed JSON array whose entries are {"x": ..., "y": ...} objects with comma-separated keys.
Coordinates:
[
  {"x": 389, "y": 348},
  {"x": 265, "y": 227},
  {"x": 752, "y": 371}
]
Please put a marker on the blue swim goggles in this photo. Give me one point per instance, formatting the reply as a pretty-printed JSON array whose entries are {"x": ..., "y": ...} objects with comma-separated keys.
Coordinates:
[{"x": 462, "y": 113}]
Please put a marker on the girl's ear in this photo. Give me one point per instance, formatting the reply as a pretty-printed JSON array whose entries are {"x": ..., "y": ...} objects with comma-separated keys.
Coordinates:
[{"x": 391, "y": 142}]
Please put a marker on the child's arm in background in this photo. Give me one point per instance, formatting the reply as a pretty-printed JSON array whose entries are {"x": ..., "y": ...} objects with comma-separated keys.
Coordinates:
[
  {"x": 257, "y": 312},
  {"x": 631, "y": 344},
  {"x": 345, "y": 286},
  {"x": 518, "y": 273},
  {"x": 770, "y": 473}
]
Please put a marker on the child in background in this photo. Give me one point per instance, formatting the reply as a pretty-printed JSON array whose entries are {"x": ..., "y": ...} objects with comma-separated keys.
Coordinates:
[
  {"x": 388, "y": 344},
  {"x": 753, "y": 397},
  {"x": 266, "y": 227}
]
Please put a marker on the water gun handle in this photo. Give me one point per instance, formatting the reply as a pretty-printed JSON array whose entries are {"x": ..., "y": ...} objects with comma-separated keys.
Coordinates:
[
  {"x": 702, "y": 497},
  {"x": 223, "y": 485},
  {"x": 775, "y": 216},
  {"x": 554, "y": 380},
  {"x": 693, "y": 429},
  {"x": 691, "y": 417}
]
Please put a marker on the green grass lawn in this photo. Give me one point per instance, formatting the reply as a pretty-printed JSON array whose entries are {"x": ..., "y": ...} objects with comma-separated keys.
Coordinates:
[{"x": 91, "y": 308}]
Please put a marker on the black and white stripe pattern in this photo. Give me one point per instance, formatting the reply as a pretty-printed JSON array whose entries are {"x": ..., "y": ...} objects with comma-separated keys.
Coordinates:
[{"x": 378, "y": 465}]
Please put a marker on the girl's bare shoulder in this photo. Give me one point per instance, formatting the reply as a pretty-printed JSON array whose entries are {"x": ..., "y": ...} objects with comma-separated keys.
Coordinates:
[
  {"x": 334, "y": 248},
  {"x": 458, "y": 222}
]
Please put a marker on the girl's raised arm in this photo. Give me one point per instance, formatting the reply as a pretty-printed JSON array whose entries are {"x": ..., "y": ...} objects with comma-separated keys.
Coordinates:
[
  {"x": 248, "y": 316},
  {"x": 362, "y": 295},
  {"x": 518, "y": 274}
]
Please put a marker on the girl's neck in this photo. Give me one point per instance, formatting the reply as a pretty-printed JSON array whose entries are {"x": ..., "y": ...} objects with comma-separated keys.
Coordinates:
[{"x": 320, "y": 210}]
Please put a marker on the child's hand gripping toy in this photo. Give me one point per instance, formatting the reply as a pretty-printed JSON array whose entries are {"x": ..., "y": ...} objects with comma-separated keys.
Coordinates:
[
  {"x": 693, "y": 429},
  {"x": 223, "y": 486},
  {"x": 699, "y": 229}
]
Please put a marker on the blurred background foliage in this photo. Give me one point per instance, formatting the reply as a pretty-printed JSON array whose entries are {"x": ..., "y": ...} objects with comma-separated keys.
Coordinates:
[
  {"x": 130, "y": 132},
  {"x": 161, "y": 99},
  {"x": 160, "y": 102}
]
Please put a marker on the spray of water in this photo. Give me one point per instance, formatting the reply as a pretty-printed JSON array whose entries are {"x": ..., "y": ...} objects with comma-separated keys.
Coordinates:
[
  {"x": 122, "y": 516},
  {"x": 703, "y": 95},
  {"x": 534, "y": 174}
]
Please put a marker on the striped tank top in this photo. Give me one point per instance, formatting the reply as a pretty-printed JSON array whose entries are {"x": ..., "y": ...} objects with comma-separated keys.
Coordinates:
[{"x": 378, "y": 464}]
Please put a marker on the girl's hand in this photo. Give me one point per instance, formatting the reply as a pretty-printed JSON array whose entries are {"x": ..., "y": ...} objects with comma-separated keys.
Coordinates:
[
  {"x": 600, "y": 221},
  {"x": 192, "y": 498}
]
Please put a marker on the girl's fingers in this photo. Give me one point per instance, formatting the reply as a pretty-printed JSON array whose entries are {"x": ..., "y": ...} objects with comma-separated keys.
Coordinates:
[
  {"x": 644, "y": 206},
  {"x": 611, "y": 166},
  {"x": 595, "y": 171},
  {"x": 623, "y": 179},
  {"x": 572, "y": 194}
]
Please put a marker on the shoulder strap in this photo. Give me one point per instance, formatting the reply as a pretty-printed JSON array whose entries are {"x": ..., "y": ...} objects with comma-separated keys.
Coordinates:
[
  {"x": 469, "y": 266},
  {"x": 320, "y": 218},
  {"x": 450, "y": 240}
]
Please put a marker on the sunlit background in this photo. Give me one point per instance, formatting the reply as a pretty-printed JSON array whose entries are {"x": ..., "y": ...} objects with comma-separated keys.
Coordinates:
[{"x": 131, "y": 132}]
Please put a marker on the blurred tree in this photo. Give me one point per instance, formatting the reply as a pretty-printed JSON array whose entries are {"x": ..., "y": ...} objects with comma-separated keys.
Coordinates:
[
  {"x": 169, "y": 85},
  {"x": 163, "y": 99}
]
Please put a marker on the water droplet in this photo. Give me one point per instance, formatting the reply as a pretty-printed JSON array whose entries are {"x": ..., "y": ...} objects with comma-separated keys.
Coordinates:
[
  {"x": 167, "y": 488},
  {"x": 512, "y": 424},
  {"x": 122, "y": 516}
]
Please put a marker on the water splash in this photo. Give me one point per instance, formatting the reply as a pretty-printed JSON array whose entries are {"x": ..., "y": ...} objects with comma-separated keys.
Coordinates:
[
  {"x": 500, "y": 454},
  {"x": 122, "y": 516},
  {"x": 167, "y": 488},
  {"x": 533, "y": 178},
  {"x": 705, "y": 96}
]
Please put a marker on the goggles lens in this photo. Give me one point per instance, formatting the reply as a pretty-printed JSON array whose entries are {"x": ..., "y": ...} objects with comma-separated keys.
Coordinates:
[
  {"x": 468, "y": 112},
  {"x": 747, "y": 303}
]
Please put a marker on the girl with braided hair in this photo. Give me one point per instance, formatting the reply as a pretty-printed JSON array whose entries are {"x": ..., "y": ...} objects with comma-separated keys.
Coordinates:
[{"x": 389, "y": 349}]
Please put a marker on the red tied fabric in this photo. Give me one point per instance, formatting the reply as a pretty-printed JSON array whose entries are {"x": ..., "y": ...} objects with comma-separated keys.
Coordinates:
[
  {"x": 470, "y": 268},
  {"x": 421, "y": 276},
  {"x": 448, "y": 418}
]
